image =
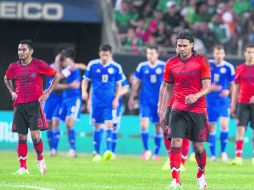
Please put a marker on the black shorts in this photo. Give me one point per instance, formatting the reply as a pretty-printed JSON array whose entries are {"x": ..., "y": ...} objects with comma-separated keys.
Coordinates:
[
  {"x": 29, "y": 115},
  {"x": 245, "y": 114},
  {"x": 167, "y": 130},
  {"x": 194, "y": 126}
]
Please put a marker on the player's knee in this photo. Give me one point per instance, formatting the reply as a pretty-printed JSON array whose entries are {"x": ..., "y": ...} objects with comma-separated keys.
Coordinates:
[
  {"x": 176, "y": 142},
  {"x": 198, "y": 147},
  {"x": 36, "y": 140}
]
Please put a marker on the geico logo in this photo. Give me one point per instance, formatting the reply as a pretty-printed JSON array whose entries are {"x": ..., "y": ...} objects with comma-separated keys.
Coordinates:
[{"x": 31, "y": 10}]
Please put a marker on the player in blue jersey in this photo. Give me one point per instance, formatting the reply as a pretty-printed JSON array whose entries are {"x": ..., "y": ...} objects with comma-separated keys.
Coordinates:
[
  {"x": 149, "y": 75},
  {"x": 71, "y": 96},
  {"x": 117, "y": 114},
  {"x": 105, "y": 76},
  {"x": 51, "y": 108},
  {"x": 218, "y": 100}
]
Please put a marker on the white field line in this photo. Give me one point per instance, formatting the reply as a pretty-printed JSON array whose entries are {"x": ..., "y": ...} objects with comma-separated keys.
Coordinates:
[{"x": 26, "y": 187}]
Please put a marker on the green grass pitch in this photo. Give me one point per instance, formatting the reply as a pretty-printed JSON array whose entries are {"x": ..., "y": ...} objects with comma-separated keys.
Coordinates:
[{"x": 125, "y": 173}]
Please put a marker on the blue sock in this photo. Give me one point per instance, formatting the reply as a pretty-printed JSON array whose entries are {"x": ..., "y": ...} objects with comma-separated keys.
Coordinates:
[
  {"x": 55, "y": 138},
  {"x": 223, "y": 140},
  {"x": 97, "y": 140},
  {"x": 114, "y": 141},
  {"x": 145, "y": 138},
  {"x": 212, "y": 143},
  {"x": 50, "y": 138},
  {"x": 72, "y": 138},
  {"x": 109, "y": 139},
  {"x": 157, "y": 142}
]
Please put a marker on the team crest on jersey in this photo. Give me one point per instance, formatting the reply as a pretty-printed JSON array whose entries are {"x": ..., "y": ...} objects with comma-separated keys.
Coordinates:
[
  {"x": 146, "y": 71},
  {"x": 222, "y": 70},
  {"x": 110, "y": 70},
  {"x": 158, "y": 71},
  {"x": 98, "y": 71}
]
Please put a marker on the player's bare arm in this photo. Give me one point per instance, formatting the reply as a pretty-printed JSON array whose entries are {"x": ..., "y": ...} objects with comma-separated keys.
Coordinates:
[
  {"x": 134, "y": 89},
  {"x": 81, "y": 66},
  {"x": 74, "y": 84},
  {"x": 206, "y": 87},
  {"x": 117, "y": 95},
  {"x": 166, "y": 91},
  {"x": 235, "y": 91},
  {"x": 124, "y": 90},
  {"x": 84, "y": 87},
  {"x": 9, "y": 85},
  {"x": 46, "y": 93}
]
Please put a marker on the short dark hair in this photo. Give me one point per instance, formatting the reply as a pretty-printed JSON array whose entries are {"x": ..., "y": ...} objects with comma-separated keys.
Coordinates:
[
  {"x": 153, "y": 47},
  {"x": 105, "y": 47},
  {"x": 185, "y": 35},
  {"x": 28, "y": 42},
  {"x": 218, "y": 47},
  {"x": 68, "y": 53},
  {"x": 249, "y": 45}
]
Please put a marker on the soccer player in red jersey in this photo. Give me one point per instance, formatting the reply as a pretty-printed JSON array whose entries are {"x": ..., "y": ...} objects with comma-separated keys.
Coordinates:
[
  {"x": 243, "y": 94},
  {"x": 27, "y": 73},
  {"x": 188, "y": 77}
]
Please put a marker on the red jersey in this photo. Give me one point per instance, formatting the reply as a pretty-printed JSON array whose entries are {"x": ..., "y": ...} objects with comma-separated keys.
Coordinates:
[
  {"x": 29, "y": 79},
  {"x": 187, "y": 77},
  {"x": 244, "y": 76}
]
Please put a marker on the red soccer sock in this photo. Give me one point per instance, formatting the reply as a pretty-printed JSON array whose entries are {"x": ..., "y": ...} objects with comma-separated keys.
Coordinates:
[
  {"x": 39, "y": 149},
  {"x": 167, "y": 143},
  {"x": 185, "y": 149},
  {"x": 239, "y": 148},
  {"x": 175, "y": 161},
  {"x": 201, "y": 161},
  {"x": 22, "y": 152}
]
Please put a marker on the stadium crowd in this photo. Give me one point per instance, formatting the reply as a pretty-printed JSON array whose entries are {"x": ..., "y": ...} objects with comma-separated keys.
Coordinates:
[{"x": 142, "y": 23}]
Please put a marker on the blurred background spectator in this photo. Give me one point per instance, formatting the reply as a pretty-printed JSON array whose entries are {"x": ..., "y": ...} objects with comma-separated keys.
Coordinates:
[{"x": 156, "y": 22}]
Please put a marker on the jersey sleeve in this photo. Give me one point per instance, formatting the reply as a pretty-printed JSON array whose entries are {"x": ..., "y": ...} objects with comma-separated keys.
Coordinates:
[
  {"x": 11, "y": 72},
  {"x": 45, "y": 69},
  {"x": 205, "y": 69},
  {"x": 167, "y": 75},
  {"x": 119, "y": 74},
  {"x": 237, "y": 75},
  {"x": 88, "y": 74},
  {"x": 138, "y": 73},
  {"x": 231, "y": 74}
]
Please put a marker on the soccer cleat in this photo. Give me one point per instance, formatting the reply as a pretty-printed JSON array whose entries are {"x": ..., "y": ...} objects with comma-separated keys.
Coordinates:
[
  {"x": 97, "y": 158},
  {"x": 174, "y": 185},
  {"x": 42, "y": 166},
  {"x": 238, "y": 161},
  {"x": 202, "y": 182},
  {"x": 166, "y": 165},
  {"x": 107, "y": 155},
  {"x": 192, "y": 157},
  {"x": 113, "y": 157},
  {"x": 72, "y": 153},
  {"x": 146, "y": 155},
  {"x": 21, "y": 171},
  {"x": 52, "y": 152},
  {"x": 224, "y": 157},
  {"x": 213, "y": 158},
  {"x": 156, "y": 157},
  {"x": 182, "y": 168}
]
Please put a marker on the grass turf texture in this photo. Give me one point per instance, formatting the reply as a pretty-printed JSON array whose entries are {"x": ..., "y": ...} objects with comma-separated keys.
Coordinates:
[{"x": 125, "y": 173}]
